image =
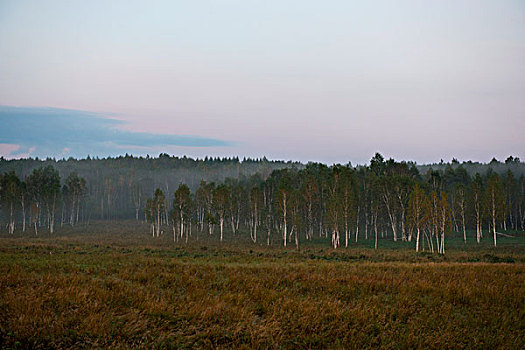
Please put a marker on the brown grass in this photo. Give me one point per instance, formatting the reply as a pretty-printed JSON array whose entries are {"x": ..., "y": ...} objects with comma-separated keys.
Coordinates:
[{"x": 106, "y": 292}]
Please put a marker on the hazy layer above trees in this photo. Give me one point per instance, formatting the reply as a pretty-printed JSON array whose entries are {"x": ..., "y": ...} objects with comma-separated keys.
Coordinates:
[
  {"x": 163, "y": 171},
  {"x": 191, "y": 171}
]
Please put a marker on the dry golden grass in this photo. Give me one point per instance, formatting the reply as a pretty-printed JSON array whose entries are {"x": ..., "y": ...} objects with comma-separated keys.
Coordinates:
[{"x": 98, "y": 291}]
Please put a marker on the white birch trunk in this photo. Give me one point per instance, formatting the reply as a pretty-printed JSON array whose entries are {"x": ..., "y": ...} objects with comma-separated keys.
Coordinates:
[
  {"x": 417, "y": 239},
  {"x": 221, "y": 221},
  {"x": 357, "y": 224},
  {"x": 284, "y": 220}
]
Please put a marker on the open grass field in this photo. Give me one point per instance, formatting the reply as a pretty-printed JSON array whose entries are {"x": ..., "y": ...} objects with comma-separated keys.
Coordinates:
[{"x": 111, "y": 285}]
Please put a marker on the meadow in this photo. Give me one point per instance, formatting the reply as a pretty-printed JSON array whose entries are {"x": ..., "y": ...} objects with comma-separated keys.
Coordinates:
[{"x": 111, "y": 285}]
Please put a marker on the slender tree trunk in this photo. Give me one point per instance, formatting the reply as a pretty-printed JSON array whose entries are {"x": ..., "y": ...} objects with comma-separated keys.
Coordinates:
[
  {"x": 310, "y": 231},
  {"x": 357, "y": 224},
  {"x": 158, "y": 221},
  {"x": 403, "y": 232},
  {"x": 375, "y": 246},
  {"x": 366, "y": 222},
  {"x": 233, "y": 223},
  {"x": 51, "y": 216},
  {"x": 417, "y": 239},
  {"x": 48, "y": 223},
  {"x": 391, "y": 215},
  {"x": 346, "y": 232},
  {"x": 463, "y": 224},
  {"x": 392, "y": 221},
  {"x": 494, "y": 223},
  {"x": 238, "y": 219},
  {"x": 72, "y": 213},
  {"x": 23, "y": 216},
  {"x": 255, "y": 225},
  {"x": 375, "y": 226},
  {"x": 62, "y": 213},
  {"x": 221, "y": 221},
  {"x": 78, "y": 209},
  {"x": 181, "y": 222},
  {"x": 296, "y": 237},
  {"x": 11, "y": 219},
  {"x": 443, "y": 223},
  {"x": 255, "y": 232},
  {"x": 284, "y": 220},
  {"x": 478, "y": 226},
  {"x": 337, "y": 239}
]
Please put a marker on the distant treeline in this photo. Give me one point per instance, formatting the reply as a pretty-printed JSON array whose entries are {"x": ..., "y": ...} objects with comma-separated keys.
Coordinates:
[
  {"x": 117, "y": 188},
  {"x": 271, "y": 199}
]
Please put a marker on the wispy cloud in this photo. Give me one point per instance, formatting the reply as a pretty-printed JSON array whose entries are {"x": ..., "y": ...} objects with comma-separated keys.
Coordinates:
[{"x": 62, "y": 132}]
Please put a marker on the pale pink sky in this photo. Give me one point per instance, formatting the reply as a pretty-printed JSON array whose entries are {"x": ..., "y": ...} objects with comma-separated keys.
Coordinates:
[{"x": 304, "y": 80}]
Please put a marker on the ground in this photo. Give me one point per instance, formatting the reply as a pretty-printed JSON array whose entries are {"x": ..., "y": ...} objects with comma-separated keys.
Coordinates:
[{"x": 111, "y": 285}]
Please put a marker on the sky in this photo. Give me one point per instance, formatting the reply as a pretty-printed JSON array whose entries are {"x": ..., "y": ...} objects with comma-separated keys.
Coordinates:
[{"x": 330, "y": 81}]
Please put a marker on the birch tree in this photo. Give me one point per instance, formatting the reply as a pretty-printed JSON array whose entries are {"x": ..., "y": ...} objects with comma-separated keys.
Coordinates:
[
  {"x": 282, "y": 200},
  {"x": 390, "y": 202},
  {"x": 418, "y": 206},
  {"x": 295, "y": 215},
  {"x": 510, "y": 201},
  {"x": 204, "y": 200},
  {"x": 310, "y": 198},
  {"x": 182, "y": 207},
  {"x": 495, "y": 202},
  {"x": 76, "y": 188},
  {"x": 23, "y": 198},
  {"x": 44, "y": 186},
  {"x": 460, "y": 200},
  {"x": 255, "y": 210},
  {"x": 347, "y": 198},
  {"x": 402, "y": 187},
  {"x": 477, "y": 201},
  {"x": 333, "y": 207},
  {"x": 268, "y": 207},
  {"x": 220, "y": 202},
  {"x": 159, "y": 204},
  {"x": 445, "y": 222},
  {"x": 149, "y": 211}
]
